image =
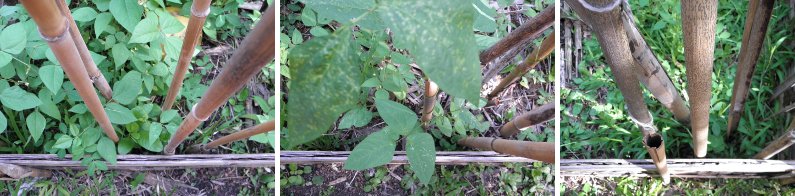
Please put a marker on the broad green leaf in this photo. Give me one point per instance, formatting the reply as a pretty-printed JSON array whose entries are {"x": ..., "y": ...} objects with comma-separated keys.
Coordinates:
[
  {"x": 146, "y": 31},
  {"x": 167, "y": 115},
  {"x": 36, "y": 124},
  {"x": 107, "y": 150},
  {"x": 399, "y": 117},
  {"x": 169, "y": 24},
  {"x": 125, "y": 145},
  {"x": 84, "y": 14},
  {"x": 120, "y": 54},
  {"x": 119, "y": 114},
  {"x": 421, "y": 153},
  {"x": 14, "y": 38},
  {"x": 5, "y": 59},
  {"x": 484, "y": 20},
  {"x": 127, "y": 13},
  {"x": 49, "y": 108},
  {"x": 344, "y": 11},
  {"x": 328, "y": 86},
  {"x": 101, "y": 23},
  {"x": 64, "y": 142},
  {"x": 357, "y": 117},
  {"x": 439, "y": 35},
  {"x": 154, "y": 133},
  {"x": 445, "y": 126},
  {"x": 17, "y": 99},
  {"x": 52, "y": 77},
  {"x": 3, "y": 122},
  {"x": 127, "y": 89},
  {"x": 79, "y": 109},
  {"x": 375, "y": 150}
]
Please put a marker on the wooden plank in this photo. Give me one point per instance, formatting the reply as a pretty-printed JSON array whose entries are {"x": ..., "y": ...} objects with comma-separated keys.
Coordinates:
[
  {"x": 146, "y": 162},
  {"x": 442, "y": 158},
  {"x": 681, "y": 168}
]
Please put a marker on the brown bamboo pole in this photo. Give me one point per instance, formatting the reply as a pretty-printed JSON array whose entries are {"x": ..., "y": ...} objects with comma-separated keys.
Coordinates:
[
  {"x": 782, "y": 142},
  {"x": 525, "y": 33},
  {"x": 258, "y": 49},
  {"x": 651, "y": 73},
  {"x": 247, "y": 133},
  {"x": 655, "y": 145},
  {"x": 198, "y": 14},
  {"x": 529, "y": 63},
  {"x": 93, "y": 72},
  {"x": 535, "y": 116},
  {"x": 756, "y": 22},
  {"x": 698, "y": 24},
  {"x": 542, "y": 151},
  {"x": 54, "y": 28},
  {"x": 431, "y": 90}
]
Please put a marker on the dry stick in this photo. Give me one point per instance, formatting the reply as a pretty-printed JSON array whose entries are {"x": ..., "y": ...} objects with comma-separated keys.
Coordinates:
[
  {"x": 54, "y": 28},
  {"x": 542, "y": 151},
  {"x": 605, "y": 20},
  {"x": 698, "y": 24},
  {"x": 198, "y": 13},
  {"x": 529, "y": 63},
  {"x": 93, "y": 72},
  {"x": 256, "y": 51},
  {"x": 788, "y": 83},
  {"x": 776, "y": 146},
  {"x": 517, "y": 38},
  {"x": 756, "y": 23},
  {"x": 651, "y": 73},
  {"x": 261, "y": 128},
  {"x": 538, "y": 115},
  {"x": 431, "y": 90}
]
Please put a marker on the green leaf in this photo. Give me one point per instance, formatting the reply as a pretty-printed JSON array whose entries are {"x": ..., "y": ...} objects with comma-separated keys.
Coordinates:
[
  {"x": 397, "y": 116},
  {"x": 52, "y": 76},
  {"x": 3, "y": 122},
  {"x": 107, "y": 150},
  {"x": 125, "y": 145},
  {"x": 154, "y": 133},
  {"x": 78, "y": 109},
  {"x": 439, "y": 35},
  {"x": 84, "y": 14},
  {"x": 169, "y": 24},
  {"x": 127, "y": 89},
  {"x": 375, "y": 150},
  {"x": 344, "y": 11},
  {"x": 146, "y": 31},
  {"x": 357, "y": 117},
  {"x": 5, "y": 59},
  {"x": 101, "y": 23},
  {"x": 127, "y": 13},
  {"x": 119, "y": 114},
  {"x": 421, "y": 153},
  {"x": 17, "y": 99},
  {"x": 167, "y": 115},
  {"x": 14, "y": 38},
  {"x": 445, "y": 126},
  {"x": 120, "y": 54},
  {"x": 329, "y": 87},
  {"x": 63, "y": 142},
  {"x": 36, "y": 124},
  {"x": 49, "y": 108}
]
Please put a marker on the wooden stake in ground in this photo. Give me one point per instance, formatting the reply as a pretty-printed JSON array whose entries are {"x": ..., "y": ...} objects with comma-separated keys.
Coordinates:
[
  {"x": 247, "y": 133},
  {"x": 509, "y": 46},
  {"x": 431, "y": 90},
  {"x": 529, "y": 63},
  {"x": 93, "y": 73},
  {"x": 756, "y": 22},
  {"x": 255, "y": 52},
  {"x": 542, "y": 151},
  {"x": 198, "y": 13},
  {"x": 54, "y": 29},
  {"x": 538, "y": 115},
  {"x": 698, "y": 25}
]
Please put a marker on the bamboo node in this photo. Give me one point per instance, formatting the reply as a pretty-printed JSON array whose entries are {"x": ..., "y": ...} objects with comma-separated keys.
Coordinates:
[
  {"x": 196, "y": 13},
  {"x": 603, "y": 9},
  {"x": 55, "y": 38},
  {"x": 642, "y": 125},
  {"x": 193, "y": 113}
]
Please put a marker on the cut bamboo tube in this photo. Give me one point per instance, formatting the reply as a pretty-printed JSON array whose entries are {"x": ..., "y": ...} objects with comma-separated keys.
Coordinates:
[
  {"x": 655, "y": 145},
  {"x": 93, "y": 72},
  {"x": 55, "y": 30},
  {"x": 698, "y": 25},
  {"x": 257, "y": 50},
  {"x": 651, "y": 73},
  {"x": 198, "y": 14},
  {"x": 542, "y": 151},
  {"x": 782, "y": 142},
  {"x": 522, "y": 35},
  {"x": 431, "y": 89},
  {"x": 538, "y": 115},
  {"x": 247, "y": 133},
  {"x": 756, "y": 22},
  {"x": 529, "y": 63}
]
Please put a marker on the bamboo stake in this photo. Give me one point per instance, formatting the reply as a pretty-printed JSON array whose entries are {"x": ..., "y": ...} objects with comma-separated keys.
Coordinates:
[
  {"x": 247, "y": 133},
  {"x": 789, "y": 82},
  {"x": 542, "y": 151},
  {"x": 529, "y": 63},
  {"x": 256, "y": 51},
  {"x": 654, "y": 144},
  {"x": 783, "y": 142},
  {"x": 538, "y": 115},
  {"x": 698, "y": 24},
  {"x": 198, "y": 14},
  {"x": 756, "y": 22},
  {"x": 54, "y": 29},
  {"x": 93, "y": 72},
  {"x": 651, "y": 74},
  {"x": 431, "y": 90},
  {"x": 519, "y": 37}
]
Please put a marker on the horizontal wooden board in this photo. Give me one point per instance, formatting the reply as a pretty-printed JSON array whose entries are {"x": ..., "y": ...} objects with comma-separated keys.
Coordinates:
[
  {"x": 442, "y": 158},
  {"x": 146, "y": 162},
  {"x": 683, "y": 168}
]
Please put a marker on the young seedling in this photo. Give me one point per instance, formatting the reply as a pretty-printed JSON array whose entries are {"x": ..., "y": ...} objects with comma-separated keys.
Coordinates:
[
  {"x": 54, "y": 29},
  {"x": 698, "y": 26},
  {"x": 431, "y": 90},
  {"x": 529, "y": 63},
  {"x": 255, "y": 52},
  {"x": 542, "y": 151},
  {"x": 198, "y": 14},
  {"x": 93, "y": 73},
  {"x": 537, "y": 115}
]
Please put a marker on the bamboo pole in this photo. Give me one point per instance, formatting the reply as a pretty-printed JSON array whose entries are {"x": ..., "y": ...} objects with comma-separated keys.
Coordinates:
[
  {"x": 542, "y": 151},
  {"x": 431, "y": 90},
  {"x": 529, "y": 63},
  {"x": 522, "y": 35},
  {"x": 198, "y": 14},
  {"x": 655, "y": 145},
  {"x": 651, "y": 73},
  {"x": 247, "y": 133},
  {"x": 257, "y": 50},
  {"x": 698, "y": 24},
  {"x": 538, "y": 115},
  {"x": 756, "y": 22},
  {"x": 93, "y": 72},
  {"x": 54, "y": 29}
]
